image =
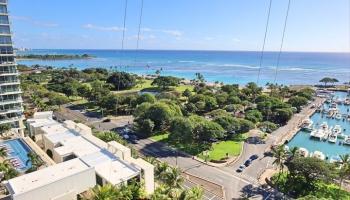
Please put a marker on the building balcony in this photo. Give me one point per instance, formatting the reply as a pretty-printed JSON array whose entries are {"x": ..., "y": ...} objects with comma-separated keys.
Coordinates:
[
  {"x": 4, "y": 2},
  {"x": 10, "y": 120},
  {"x": 10, "y": 82},
  {"x": 7, "y": 63},
  {"x": 7, "y": 54},
  {"x": 6, "y": 45},
  {"x": 11, "y": 101},
  {"x": 9, "y": 92},
  {"x": 5, "y": 34},
  {"x": 9, "y": 73},
  {"x": 11, "y": 110}
]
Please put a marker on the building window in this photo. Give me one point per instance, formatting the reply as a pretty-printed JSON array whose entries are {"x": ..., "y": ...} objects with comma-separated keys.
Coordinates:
[
  {"x": 69, "y": 157},
  {"x": 3, "y": 9},
  {"x": 5, "y": 29},
  {"x": 4, "y": 19},
  {"x": 49, "y": 153},
  {"x": 99, "y": 180},
  {"x": 5, "y": 40},
  {"x": 6, "y": 50}
]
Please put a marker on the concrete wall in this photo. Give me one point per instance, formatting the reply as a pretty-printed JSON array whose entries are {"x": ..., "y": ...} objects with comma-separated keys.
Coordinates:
[{"x": 63, "y": 189}]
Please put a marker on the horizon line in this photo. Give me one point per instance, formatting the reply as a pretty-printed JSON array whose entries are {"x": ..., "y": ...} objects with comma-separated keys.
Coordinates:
[{"x": 269, "y": 51}]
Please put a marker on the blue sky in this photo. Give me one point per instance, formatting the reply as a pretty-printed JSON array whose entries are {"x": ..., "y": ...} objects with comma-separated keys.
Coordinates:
[{"x": 314, "y": 25}]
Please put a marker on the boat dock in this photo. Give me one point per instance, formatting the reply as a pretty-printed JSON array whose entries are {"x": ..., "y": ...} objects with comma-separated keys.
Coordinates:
[{"x": 288, "y": 131}]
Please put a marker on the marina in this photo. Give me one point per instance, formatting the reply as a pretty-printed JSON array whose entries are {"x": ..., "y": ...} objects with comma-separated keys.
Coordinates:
[{"x": 326, "y": 134}]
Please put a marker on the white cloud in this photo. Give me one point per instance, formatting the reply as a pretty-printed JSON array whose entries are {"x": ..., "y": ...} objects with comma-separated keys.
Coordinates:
[
  {"x": 236, "y": 40},
  {"x": 103, "y": 28},
  {"x": 208, "y": 38},
  {"x": 175, "y": 33},
  {"x": 143, "y": 37},
  {"x": 34, "y": 22},
  {"x": 146, "y": 29}
]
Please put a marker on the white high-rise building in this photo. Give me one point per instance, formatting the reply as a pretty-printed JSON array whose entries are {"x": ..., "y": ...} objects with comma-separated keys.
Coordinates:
[{"x": 10, "y": 92}]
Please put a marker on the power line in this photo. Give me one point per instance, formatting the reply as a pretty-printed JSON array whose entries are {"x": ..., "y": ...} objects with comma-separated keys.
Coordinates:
[
  {"x": 123, "y": 38},
  {"x": 139, "y": 32},
  {"x": 140, "y": 22},
  {"x": 282, "y": 41},
  {"x": 263, "y": 47}
]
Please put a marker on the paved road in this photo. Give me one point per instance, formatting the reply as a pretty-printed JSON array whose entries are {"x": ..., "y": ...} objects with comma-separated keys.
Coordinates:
[{"x": 234, "y": 185}]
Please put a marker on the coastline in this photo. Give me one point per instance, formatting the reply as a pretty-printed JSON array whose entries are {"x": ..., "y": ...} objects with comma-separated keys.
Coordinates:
[{"x": 287, "y": 132}]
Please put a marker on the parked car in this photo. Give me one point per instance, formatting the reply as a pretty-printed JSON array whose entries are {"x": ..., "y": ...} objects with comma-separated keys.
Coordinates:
[
  {"x": 254, "y": 157},
  {"x": 248, "y": 162},
  {"x": 107, "y": 120},
  {"x": 240, "y": 168}
]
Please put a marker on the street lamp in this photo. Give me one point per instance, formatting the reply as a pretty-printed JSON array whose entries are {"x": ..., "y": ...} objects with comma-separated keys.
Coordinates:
[{"x": 175, "y": 152}]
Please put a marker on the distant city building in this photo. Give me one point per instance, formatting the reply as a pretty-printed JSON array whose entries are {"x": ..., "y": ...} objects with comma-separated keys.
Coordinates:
[{"x": 10, "y": 93}]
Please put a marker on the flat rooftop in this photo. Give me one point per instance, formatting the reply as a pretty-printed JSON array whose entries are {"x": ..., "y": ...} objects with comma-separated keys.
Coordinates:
[
  {"x": 117, "y": 171},
  {"x": 64, "y": 135},
  {"x": 41, "y": 122},
  {"x": 45, "y": 176},
  {"x": 77, "y": 145}
]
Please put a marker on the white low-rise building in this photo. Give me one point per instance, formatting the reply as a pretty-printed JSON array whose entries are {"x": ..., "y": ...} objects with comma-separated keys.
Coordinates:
[
  {"x": 69, "y": 144},
  {"x": 62, "y": 181}
]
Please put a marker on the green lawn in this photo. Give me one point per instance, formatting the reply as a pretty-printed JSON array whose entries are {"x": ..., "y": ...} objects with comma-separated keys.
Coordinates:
[
  {"x": 182, "y": 88},
  {"x": 160, "y": 137},
  {"x": 220, "y": 149},
  {"x": 147, "y": 85},
  {"x": 217, "y": 151}
]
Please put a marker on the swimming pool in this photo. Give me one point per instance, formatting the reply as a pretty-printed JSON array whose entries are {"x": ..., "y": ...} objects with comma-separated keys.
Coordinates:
[
  {"x": 331, "y": 150},
  {"x": 17, "y": 153}
]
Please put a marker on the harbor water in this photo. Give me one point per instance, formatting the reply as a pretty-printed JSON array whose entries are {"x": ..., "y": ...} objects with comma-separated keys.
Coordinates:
[{"x": 331, "y": 150}]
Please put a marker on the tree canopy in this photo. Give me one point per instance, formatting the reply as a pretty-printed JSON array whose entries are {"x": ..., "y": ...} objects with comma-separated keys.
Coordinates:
[
  {"x": 165, "y": 82},
  {"x": 121, "y": 80}
]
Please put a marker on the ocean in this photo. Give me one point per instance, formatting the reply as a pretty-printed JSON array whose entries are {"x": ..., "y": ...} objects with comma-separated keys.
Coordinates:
[{"x": 238, "y": 67}]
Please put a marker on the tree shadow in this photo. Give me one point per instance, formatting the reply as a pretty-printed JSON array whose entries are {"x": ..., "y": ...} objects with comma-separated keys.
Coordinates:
[
  {"x": 260, "y": 192},
  {"x": 255, "y": 140}
]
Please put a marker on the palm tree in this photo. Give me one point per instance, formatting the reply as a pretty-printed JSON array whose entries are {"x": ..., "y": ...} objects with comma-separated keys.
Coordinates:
[
  {"x": 161, "y": 169},
  {"x": 195, "y": 193},
  {"x": 4, "y": 128},
  {"x": 106, "y": 192},
  {"x": 3, "y": 152},
  {"x": 161, "y": 193},
  {"x": 279, "y": 153},
  {"x": 345, "y": 167},
  {"x": 175, "y": 193},
  {"x": 292, "y": 153},
  {"x": 174, "y": 178},
  {"x": 35, "y": 160},
  {"x": 8, "y": 171}
]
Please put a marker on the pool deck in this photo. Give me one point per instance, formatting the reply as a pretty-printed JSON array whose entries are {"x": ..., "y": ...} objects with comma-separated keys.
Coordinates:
[{"x": 288, "y": 131}]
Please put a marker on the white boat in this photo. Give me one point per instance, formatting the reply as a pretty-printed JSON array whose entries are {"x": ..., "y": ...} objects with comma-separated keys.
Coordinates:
[
  {"x": 332, "y": 138},
  {"x": 337, "y": 130},
  {"x": 334, "y": 106},
  {"x": 307, "y": 125},
  {"x": 324, "y": 126},
  {"x": 303, "y": 152},
  {"x": 346, "y": 140},
  {"x": 319, "y": 155},
  {"x": 318, "y": 133},
  {"x": 347, "y": 101},
  {"x": 334, "y": 159},
  {"x": 338, "y": 116}
]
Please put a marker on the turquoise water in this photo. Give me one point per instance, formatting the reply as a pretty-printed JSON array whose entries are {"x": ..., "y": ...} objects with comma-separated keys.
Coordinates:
[
  {"x": 18, "y": 150},
  {"x": 223, "y": 66},
  {"x": 302, "y": 138}
]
